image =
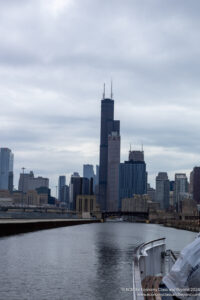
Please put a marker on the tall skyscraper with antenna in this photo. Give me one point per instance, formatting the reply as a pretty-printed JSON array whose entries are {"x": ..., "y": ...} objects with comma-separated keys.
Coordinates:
[{"x": 108, "y": 125}]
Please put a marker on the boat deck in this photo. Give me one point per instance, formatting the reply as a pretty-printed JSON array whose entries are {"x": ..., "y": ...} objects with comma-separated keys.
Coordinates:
[
  {"x": 150, "y": 263},
  {"x": 150, "y": 286}
]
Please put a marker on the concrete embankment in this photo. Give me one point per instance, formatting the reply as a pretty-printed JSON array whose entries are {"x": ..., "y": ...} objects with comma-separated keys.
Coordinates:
[
  {"x": 12, "y": 227},
  {"x": 183, "y": 225}
]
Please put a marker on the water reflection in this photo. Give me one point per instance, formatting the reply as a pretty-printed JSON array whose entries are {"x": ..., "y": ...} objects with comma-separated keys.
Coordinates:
[{"x": 79, "y": 262}]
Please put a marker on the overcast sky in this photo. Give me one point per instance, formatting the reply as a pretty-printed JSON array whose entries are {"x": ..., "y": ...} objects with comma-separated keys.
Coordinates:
[{"x": 55, "y": 56}]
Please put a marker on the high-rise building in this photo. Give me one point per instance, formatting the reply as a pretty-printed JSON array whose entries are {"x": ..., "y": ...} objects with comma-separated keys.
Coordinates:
[
  {"x": 171, "y": 192},
  {"x": 27, "y": 182},
  {"x": 85, "y": 186},
  {"x": 180, "y": 187},
  {"x": 88, "y": 171},
  {"x": 171, "y": 185},
  {"x": 6, "y": 169},
  {"x": 151, "y": 192},
  {"x": 61, "y": 184},
  {"x": 191, "y": 183},
  {"x": 74, "y": 189},
  {"x": 162, "y": 190},
  {"x": 136, "y": 155},
  {"x": 108, "y": 125},
  {"x": 196, "y": 184},
  {"x": 113, "y": 171},
  {"x": 96, "y": 182},
  {"x": 132, "y": 179},
  {"x": 65, "y": 195},
  {"x": 78, "y": 186},
  {"x": 97, "y": 175}
]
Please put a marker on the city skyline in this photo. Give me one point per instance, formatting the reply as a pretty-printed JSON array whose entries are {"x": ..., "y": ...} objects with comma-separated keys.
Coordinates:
[
  {"x": 50, "y": 92},
  {"x": 132, "y": 155},
  {"x": 99, "y": 149}
]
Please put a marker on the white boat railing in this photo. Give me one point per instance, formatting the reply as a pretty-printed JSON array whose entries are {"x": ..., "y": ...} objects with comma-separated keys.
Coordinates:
[{"x": 149, "y": 260}]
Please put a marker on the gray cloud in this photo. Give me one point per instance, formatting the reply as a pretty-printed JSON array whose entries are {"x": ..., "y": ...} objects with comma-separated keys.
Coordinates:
[{"x": 54, "y": 57}]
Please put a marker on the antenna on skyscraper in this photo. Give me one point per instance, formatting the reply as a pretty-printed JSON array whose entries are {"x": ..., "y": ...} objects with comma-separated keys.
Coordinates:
[
  {"x": 111, "y": 91},
  {"x": 104, "y": 90},
  {"x": 130, "y": 147},
  {"x": 142, "y": 147}
]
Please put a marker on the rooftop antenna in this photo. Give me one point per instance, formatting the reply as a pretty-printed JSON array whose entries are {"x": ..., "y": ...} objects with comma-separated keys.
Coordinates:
[
  {"x": 104, "y": 90},
  {"x": 111, "y": 89},
  {"x": 130, "y": 147},
  {"x": 142, "y": 148}
]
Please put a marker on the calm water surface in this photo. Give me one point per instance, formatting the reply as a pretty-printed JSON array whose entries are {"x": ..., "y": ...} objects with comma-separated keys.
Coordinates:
[{"x": 84, "y": 262}]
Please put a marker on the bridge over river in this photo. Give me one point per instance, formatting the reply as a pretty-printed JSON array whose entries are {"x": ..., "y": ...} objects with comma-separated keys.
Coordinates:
[{"x": 139, "y": 215}]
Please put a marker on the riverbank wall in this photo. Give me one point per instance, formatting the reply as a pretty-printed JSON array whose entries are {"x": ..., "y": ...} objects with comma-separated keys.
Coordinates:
[
  {"x": 12, "y": 227},
  {"x": 190, "y": 226},
  {"x": 179, "y": 224}
]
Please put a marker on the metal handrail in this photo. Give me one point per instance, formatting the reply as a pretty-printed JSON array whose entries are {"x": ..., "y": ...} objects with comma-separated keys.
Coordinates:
[
  {"x": 139, "y": 252},
  {"x": 148, "y": 243}
]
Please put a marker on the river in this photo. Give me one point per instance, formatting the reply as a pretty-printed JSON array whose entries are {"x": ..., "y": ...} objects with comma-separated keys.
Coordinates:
[{"x": 85, "y": 262}]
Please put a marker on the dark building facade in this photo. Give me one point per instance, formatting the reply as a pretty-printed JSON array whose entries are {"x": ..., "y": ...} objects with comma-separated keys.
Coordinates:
[
  {"x": 108, "y": 125},
  {"x": 171, "y": 185},
  {"x": 64, "y": 195},
  {"x": 79, "y": 186},
  {"x": 45, "y": 190},
  {"x": 162, "y": 190},
  {"x": 61, "y": 184},
  {"x": 196, "y": 184},
  {"x": 88, "y": 171},
  {"x": 132, "y": 179},
  {"x": 113, "y": 172},
  {"x": 6, "y": 169},
  {"x": 180, "y": 188},
  {"x": 151, "y": 192},
  {"x": 75, "y": 189},
  {"x": 136, "y": 155},
  {"x": 85, "y": 186}
]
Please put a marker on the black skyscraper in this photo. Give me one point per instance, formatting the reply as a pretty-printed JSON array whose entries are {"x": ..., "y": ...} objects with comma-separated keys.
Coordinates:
[{"x": 108, "y": 125}]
